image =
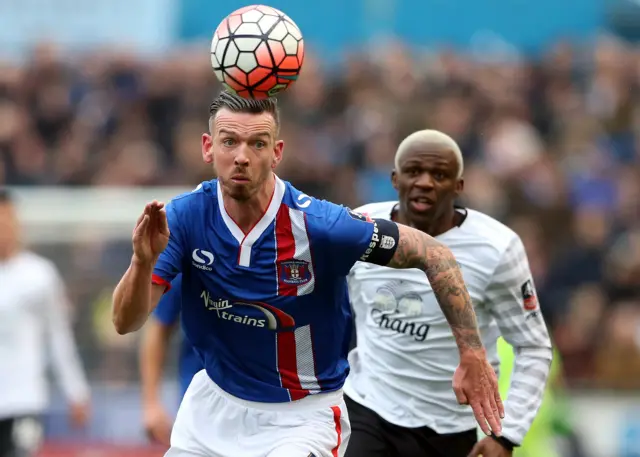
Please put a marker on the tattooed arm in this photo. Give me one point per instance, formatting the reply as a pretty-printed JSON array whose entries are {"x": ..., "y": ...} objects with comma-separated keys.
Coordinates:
[
  {"x": 355, "y": 237},
  {"x": 416, "y": 249}
]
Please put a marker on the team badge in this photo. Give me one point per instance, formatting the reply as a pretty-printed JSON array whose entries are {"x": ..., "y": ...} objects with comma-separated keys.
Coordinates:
[
  {"x": 295, "y": 272},
  {"x": 529, "y": 295}
]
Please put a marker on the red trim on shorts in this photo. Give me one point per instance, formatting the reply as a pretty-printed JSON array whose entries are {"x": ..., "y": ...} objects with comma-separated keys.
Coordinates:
[
  {"x": 155, "y": 279},
  {"x": 337, "y": 414}
]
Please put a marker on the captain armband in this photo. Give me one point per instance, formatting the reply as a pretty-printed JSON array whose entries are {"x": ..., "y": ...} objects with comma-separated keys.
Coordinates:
[{"x": 384, "y": 242}]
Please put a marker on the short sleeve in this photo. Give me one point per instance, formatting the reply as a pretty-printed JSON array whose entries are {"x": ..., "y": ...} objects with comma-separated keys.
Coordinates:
[
  {"x": 170, "y": 262},
  {"x": 168, "y": 310},
  {"x": 353, "y": 237}
]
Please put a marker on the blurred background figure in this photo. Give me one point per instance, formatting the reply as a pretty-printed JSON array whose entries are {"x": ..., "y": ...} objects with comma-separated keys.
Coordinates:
[
  {"x": 102, "y": 106},
  {"x": 34, "y": 323},
  {"x": 154, "y": 348}
]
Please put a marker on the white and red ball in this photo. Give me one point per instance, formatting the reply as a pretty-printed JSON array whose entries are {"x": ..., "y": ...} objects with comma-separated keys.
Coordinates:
[{"x": 257, "y": 51}]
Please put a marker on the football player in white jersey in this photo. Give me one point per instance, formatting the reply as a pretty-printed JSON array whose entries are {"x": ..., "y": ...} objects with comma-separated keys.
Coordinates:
[{"x": 399, "y": 391}]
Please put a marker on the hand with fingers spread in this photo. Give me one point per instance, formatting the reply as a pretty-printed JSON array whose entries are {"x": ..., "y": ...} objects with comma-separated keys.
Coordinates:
[
  {"x": 475, "y": 383},
  {"x": 151, "y": 235}
]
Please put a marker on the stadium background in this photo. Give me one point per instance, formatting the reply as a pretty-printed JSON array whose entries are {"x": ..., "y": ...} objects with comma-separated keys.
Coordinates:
[{"x": 102, "y": 103}]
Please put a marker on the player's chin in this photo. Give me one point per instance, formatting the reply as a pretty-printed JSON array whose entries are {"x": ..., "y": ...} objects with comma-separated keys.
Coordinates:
[
  {"x": 421, "y": 212},
  {"x": 239, "y": 190}
]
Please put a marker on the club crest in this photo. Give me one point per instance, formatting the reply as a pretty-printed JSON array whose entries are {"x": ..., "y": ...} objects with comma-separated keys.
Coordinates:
[{"x": 295, "y": 272}]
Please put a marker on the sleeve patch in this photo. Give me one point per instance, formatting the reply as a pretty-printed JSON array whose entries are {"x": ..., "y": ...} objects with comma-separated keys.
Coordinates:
[
  {"x": 529, "y": 295},
  {"x": 364, "y": 217}
]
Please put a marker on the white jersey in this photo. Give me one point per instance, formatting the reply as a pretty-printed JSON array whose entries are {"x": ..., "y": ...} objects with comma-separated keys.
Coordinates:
[
  {"x": 406, "y": 355},
  {"x": 34, "y": 325}
]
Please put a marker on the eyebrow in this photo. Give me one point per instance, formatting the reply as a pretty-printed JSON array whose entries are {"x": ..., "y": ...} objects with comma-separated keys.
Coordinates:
[{"x": 253, "y": 135}]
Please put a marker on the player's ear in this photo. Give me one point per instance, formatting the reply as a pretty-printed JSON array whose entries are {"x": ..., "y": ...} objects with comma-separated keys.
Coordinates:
[
  {"x": 277, "y": 156},
  {"x": 207, "y": 148},
  {"x": 459, "y": 186},
  {"x": 394, "y": 179}
]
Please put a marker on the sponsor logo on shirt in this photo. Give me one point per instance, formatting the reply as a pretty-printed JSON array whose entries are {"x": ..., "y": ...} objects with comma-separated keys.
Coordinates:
[
  {"x": 303, "y": 201},
  {"x": 393, "y": 309},
  {"x": 251, "y": 314},
  {"x": 202, "y": 259},
  {"x": 373, "y": 244}
]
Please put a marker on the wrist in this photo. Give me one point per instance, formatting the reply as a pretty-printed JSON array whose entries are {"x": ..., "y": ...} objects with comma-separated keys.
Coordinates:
[
  {"x": 474, "y": 352},
  {"x": 150, "y": 402},
  {"x": 143, "y": 264},
  {"x": 504, "y": 442}
]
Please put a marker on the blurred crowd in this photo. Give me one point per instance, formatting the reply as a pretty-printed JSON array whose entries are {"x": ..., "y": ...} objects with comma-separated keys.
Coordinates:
[{"x": 552, "y": 148}]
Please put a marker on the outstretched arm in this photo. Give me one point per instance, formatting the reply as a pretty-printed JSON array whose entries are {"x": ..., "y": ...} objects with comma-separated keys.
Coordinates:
[
  {"x": 418, "y": 250},
  {"x": 474, "y": 382},
  {"x": 355, "y": 237}
]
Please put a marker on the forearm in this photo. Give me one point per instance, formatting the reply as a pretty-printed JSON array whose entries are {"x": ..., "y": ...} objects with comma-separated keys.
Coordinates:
[
  {"x": 419, "y": 250},
  {"x": 153, "y": 352},
  {"x": 526, "y": 391},
  {"x": 132, "y": 298}
]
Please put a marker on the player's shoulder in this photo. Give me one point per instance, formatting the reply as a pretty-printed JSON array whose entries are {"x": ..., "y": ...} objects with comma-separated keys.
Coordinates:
[
  {"x": 322, "y": 216},
  {"x": 204, "y": 193},
  {"x": 489, "y": 230},
  {"x": 314, "y": 208},
  {"x": 36, "y": 265},
  {"x": 379, "y": 210}
]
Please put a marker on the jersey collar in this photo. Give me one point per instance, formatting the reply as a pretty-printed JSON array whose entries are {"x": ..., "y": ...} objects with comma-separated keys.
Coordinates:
[{"x": 246, "y": 241}]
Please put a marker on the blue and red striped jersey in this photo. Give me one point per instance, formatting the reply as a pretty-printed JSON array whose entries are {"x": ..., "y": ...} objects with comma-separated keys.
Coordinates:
[{"x": 267, "y": 311}]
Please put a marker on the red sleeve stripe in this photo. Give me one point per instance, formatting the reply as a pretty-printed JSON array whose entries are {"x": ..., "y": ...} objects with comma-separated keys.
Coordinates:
[{"x": 155, "y": 279}]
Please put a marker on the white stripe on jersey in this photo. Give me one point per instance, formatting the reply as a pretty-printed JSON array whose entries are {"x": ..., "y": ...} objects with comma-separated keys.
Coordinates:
[
  {"x": 303, "y": 247},
  {"x": 304, "y": 357},
  {"x": 406, "y": 355}
]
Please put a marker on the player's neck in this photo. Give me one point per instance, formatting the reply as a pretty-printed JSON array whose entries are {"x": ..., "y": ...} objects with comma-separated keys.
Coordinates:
[
  {"x": 435, "y": 227},
  {"x": 247, "y": 213}
]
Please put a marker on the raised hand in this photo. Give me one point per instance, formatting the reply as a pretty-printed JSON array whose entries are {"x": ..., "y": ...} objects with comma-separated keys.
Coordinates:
[
  {"x": 151, "y": 234},
  {"x": 475, "y": 383}
]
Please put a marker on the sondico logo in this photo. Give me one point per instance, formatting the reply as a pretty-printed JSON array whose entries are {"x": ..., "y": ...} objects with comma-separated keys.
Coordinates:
[
  {"x": 253, "y": 314},
  {"x": 202, "y": 259},
  {"x": 303, "y": 201}
]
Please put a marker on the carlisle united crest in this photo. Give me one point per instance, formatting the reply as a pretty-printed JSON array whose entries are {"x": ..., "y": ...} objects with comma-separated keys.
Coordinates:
[{"x": 294, "y": 272}]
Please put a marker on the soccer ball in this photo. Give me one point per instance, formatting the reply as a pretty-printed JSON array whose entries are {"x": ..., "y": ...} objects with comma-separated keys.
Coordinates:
[{"x": 257, "y": 51}]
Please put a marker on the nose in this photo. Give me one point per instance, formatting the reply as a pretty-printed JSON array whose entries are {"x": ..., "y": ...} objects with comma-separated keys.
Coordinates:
[
  {"x": 424, "y": 181},
  {"x": 242, "y": 157}
]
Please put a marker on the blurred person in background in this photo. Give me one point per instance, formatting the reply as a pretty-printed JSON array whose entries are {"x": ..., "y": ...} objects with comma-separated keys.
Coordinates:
[
  {"x": 398, "y": 393},
  {"x": 34, "y": 326},
  {"x": 153, "y": 354}
]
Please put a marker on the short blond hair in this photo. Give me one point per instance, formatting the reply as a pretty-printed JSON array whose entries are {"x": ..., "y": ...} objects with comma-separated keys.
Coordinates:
[{"x": 431, "y": 138}]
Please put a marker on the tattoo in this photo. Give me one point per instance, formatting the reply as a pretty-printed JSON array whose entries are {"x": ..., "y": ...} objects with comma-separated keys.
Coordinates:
[{"x": 418, "y": 250}]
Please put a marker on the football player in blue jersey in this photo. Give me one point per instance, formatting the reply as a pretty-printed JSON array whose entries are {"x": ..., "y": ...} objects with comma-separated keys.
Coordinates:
[
  {"x": 153, "y": 352},
  {"x": 264, "y": 298}
]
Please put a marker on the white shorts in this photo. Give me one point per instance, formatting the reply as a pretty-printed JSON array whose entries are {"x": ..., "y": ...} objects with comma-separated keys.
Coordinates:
[{"x": 213, "y": 423}]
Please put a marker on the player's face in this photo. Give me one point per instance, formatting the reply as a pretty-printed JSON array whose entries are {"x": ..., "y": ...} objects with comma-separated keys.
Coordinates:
[
  {"x": 427, "y": 183},
  {"x": 244, "y": 151},
  {"x": 8, "y": 230}
]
